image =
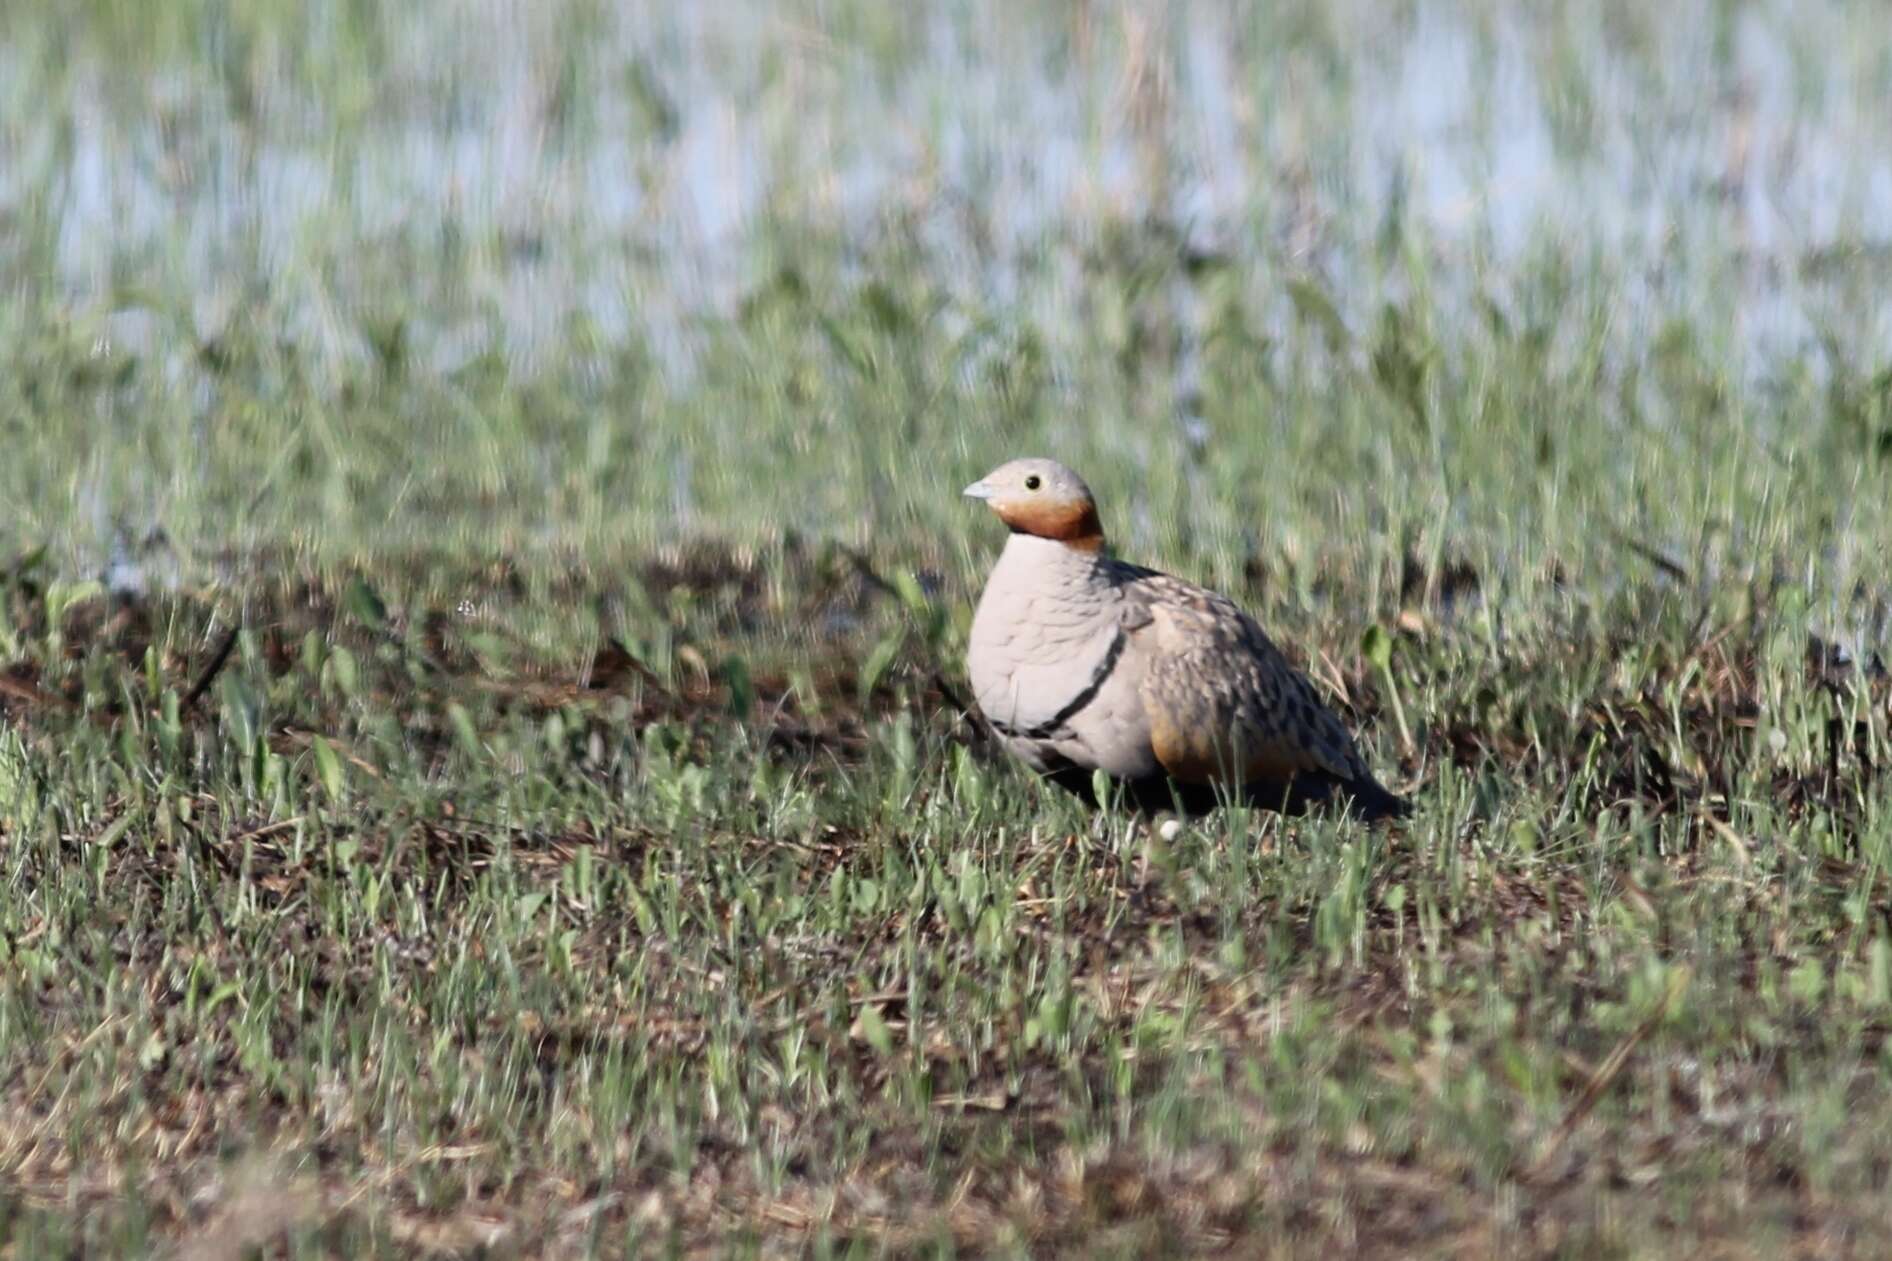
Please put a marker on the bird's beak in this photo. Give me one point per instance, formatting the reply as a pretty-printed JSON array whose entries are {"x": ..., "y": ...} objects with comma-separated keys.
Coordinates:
[{"x": 978, "y": 490}]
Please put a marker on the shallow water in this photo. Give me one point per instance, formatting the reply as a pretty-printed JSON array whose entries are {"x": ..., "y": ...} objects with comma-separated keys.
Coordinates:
[{"x": 519, "y": 165}]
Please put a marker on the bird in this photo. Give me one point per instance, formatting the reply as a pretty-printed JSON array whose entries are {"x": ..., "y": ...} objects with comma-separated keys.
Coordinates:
[{"x": 1080, "y": 663}]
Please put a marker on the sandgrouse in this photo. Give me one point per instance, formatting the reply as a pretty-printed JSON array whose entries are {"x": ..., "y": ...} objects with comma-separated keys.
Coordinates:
[{"x": 1082, "y": 663}]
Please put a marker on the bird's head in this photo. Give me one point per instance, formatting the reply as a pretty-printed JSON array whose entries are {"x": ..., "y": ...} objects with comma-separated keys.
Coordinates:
[{"x": 1042, "y": 498}]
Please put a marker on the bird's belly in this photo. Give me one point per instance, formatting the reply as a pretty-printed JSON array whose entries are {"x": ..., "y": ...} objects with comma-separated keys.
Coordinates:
[
  {"x": 1117, "y": 759},
  {"x": 1110, "y": 733}
]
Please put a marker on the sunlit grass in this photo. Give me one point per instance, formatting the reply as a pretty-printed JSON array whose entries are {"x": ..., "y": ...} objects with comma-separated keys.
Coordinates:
[{"x": 478, "y": 621}]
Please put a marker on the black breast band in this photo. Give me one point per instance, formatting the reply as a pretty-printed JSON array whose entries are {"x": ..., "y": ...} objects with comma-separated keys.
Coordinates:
[{"x": 1075, "y": 705}]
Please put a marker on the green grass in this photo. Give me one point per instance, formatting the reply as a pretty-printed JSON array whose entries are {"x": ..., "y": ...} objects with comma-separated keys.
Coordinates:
[{"x": 479, "y": 772}]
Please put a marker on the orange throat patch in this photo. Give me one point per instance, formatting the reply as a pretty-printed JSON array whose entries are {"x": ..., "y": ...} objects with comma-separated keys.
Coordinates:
[{"x": 1073, "y": 522}]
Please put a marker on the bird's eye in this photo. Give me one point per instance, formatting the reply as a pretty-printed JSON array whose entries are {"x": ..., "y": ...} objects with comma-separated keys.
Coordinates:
[{"x": 1033, "y": 482}]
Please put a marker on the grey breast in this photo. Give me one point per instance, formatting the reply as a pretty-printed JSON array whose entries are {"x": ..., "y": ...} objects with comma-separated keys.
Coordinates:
[{"x": 1054, "y": 668}]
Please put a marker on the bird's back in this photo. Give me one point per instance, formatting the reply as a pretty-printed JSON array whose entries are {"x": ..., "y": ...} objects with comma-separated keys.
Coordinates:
[{"x": 1225, "y": 707}]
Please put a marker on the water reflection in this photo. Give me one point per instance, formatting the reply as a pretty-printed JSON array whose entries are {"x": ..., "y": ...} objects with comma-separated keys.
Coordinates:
[{"x": 647, "y": 166}]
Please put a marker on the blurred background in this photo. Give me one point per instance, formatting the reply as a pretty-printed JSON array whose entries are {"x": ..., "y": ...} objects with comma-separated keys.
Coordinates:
[{"x": 1328, "y": 282}]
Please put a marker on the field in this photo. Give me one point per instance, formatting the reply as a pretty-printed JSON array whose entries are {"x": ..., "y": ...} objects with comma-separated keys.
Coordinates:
[{"x": 483, "y": 590}]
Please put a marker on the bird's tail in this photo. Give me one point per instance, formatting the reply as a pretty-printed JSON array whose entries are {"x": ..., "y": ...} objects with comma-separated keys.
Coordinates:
[{"x": 1374, "y": 801}]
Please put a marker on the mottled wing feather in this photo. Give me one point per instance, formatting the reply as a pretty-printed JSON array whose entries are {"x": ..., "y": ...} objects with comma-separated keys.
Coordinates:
[{"x": 1219, "y": 696}]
